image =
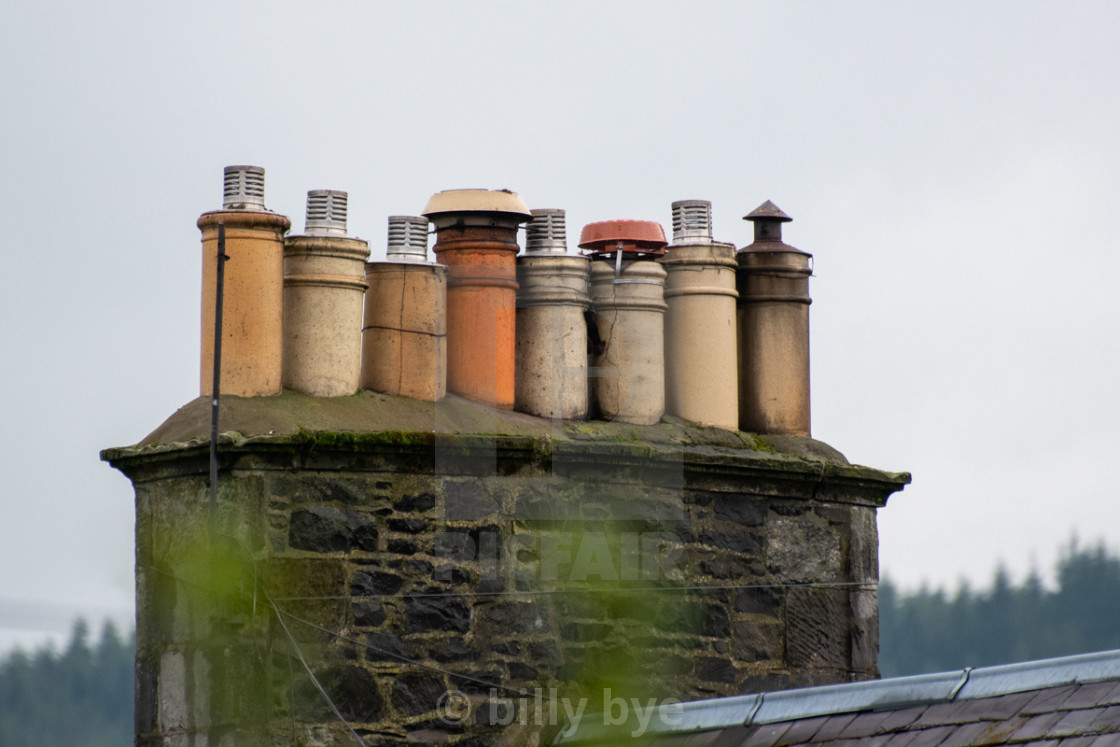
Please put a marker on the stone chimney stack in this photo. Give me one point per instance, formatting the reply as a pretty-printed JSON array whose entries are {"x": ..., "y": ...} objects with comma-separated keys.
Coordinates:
[{"x": 398, "y": 567}]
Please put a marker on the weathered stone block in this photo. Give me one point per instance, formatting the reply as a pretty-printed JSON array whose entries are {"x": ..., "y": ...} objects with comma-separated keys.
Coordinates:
[
  {"x": 865, "y": 632},
  {"x": 368, "y": 612},
  {"x": 437, "y": 611},
  {"x": 401, "y": 547},
  {"x": 409, "y": 525},
  {"x": 513, "y": 616},
  {"x": 452, "y": 649},
  {"x": 716, "y": 622},
  {"x": 732, "y": 538},
  {"x": 416, "y": 693},
  {"x": 713, "y": 669},
  {"x": 864, "y": 549},
  {"x": 748, "y": 511},
  {"x": 416, "y": 502},
  {"x": 387, "y": 647},
  {"x": 352, "y": 689},
  {"x": 147, "y": 694},
  {"x": 313, "y": 589},
  {"x": 330, "y": 529},
  {"x": 818, "y": 628},
  {"x": 467, "y": 501},
  {"x": 763, "y": 599},
  {"x": 803, "y": 548},
  {"x": 754, "y": 640},
  {"x": 173, "y": 697}
]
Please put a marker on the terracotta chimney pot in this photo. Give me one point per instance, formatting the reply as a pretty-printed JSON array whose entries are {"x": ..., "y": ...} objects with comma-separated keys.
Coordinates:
[
  {"x": 476, "y": 237},
  {"x": 404, "y": 333},
  {"x": 253, "y": 298}
]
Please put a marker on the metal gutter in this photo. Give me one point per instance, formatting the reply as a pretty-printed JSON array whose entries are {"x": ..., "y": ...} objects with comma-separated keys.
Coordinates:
[
  {"x": 855, "y": 697},
  {"x": 873, "y": 695},
  {"x": 1005, "y": 679}
]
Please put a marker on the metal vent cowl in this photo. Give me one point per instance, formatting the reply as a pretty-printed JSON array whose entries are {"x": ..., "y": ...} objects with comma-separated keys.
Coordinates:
[
  {"x": 692, "y": 221},
  {"x": 546, "y": 233},
  {"x": 326, "y": 212},
  {"x": 408, "y": 239},
  {"x": 243, "y": 188}
]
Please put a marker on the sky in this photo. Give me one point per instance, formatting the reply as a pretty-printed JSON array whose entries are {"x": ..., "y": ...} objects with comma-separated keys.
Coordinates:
[{"x": 954, "y": 167}]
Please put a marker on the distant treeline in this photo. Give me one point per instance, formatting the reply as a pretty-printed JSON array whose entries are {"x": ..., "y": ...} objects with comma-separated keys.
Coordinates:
[
  {"x": 81, "y": 696},
  {"x": 931, "y": 631}
]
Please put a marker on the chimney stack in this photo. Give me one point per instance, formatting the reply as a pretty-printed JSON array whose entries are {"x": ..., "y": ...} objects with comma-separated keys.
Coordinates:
[
  {"x": 628, "y": 295},
  {"x": 701, "y": 382},
  {"x": 253, "y": 297},
  {"x": 551, "y": 347},
  {"x": 404, "y": 333},
  {"x": 323, "y": 287},
  {"x": 476, "y": 237},
  {"x": 773, "y": 283}
]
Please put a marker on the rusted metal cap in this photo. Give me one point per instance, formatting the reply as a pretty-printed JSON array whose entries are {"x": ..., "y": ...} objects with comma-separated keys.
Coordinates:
[
  {"x": 767, "y": 211},
  {"x": 768, "y": 219},
  {"x": 636, "y": 237},
  {"x": 477, "y": 201}
]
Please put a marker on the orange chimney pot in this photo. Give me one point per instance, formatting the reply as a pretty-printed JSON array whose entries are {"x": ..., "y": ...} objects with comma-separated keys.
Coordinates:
[{"x": 476, "y": 238}]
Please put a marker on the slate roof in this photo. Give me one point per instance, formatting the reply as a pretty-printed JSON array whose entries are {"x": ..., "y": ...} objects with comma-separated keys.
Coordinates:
[{"x": 1070, "y": 701}]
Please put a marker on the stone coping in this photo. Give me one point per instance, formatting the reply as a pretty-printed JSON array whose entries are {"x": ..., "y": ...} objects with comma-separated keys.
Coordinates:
[{"x": 369, "y": 419}]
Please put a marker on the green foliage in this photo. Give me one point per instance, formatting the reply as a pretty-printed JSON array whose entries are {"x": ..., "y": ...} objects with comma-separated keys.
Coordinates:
[
  {"x": 929, "y": 631},
  {"x": 82, "y": 696}
]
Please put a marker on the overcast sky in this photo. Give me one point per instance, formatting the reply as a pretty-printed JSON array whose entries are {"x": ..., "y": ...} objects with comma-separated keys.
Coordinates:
[{"x": 953, "y": 166}]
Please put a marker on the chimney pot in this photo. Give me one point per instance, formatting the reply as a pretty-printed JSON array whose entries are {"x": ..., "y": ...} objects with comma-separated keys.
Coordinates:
[
  {"x": 404, "y": 330},
  {"x": 253, "y": 288},
  {"x": 476, "y": 237},
  {"x": 773, "y": 311},
  {"x": 243, "y": 188},
  {"x": 701, "y": 379},
  {"x": 326, "y": 213}
]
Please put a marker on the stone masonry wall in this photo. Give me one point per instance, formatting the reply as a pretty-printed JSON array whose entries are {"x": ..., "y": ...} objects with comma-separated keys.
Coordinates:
[{"x": 465, "y": 589}]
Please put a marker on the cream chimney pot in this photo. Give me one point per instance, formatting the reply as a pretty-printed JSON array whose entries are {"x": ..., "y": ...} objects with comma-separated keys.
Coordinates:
[
  {"x": 701, "y": 360},
  {"x": 323, "y": 286}
]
